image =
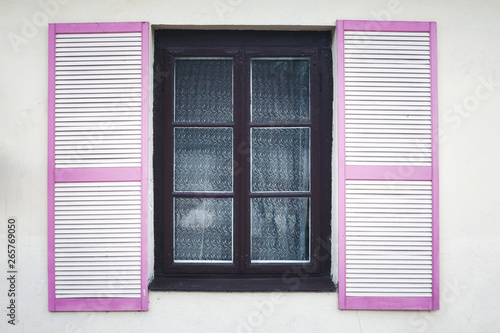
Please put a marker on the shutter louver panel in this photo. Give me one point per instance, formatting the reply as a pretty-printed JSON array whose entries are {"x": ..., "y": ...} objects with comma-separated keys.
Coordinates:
[
  {"x": 389, "y": 238},
  {"x": 98, "y": 166},
  {"x": 96, "y": 125},
  {"x": 98, "y": 239},
  {"x": 388, "y": 166},
  {"x": 387, "y": 98}
]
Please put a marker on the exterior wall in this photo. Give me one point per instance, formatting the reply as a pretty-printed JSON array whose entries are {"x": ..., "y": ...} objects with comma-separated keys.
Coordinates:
[{"x": 469, "y": 105}]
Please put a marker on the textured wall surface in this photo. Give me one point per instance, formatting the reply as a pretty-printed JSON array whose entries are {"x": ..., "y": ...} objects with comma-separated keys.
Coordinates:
[{"x": 469, "y": 116}]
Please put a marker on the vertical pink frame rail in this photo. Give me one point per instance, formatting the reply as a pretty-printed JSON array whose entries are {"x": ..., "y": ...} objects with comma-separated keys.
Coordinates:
[
  {"x": 99, "y": 174},
  {"x": 380, "y": 173}
]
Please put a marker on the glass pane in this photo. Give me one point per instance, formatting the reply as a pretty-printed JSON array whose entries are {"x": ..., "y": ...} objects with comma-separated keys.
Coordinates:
[
  {"x": 280, "y": 90},
  {"x": 204, "y": 90},
  {"x": 203, "y": 229},
  {"x": 280, "y": 159},
  {"x": 280, "y": 228},
  {"x": 203, "y": 159}
]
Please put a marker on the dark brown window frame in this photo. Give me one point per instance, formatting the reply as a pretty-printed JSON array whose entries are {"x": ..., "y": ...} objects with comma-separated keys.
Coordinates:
[{"x": 242, "y": 275}]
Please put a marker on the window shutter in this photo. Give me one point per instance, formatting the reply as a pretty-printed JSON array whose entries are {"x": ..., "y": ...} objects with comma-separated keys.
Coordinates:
[
  {"x": 98, "y": 166},
  {"x": 388, "y": 165}
]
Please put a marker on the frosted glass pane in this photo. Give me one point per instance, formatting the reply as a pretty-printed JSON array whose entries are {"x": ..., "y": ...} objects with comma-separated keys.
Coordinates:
[
  {"x": 204, "y": 90},
  {"x": 203, "y": 229},
  {"x": 280, "y": 90},
  {"x": 280, "y": 228},
  {"x": 203, "y": 159},
  {"x": 280, "y": 159}
]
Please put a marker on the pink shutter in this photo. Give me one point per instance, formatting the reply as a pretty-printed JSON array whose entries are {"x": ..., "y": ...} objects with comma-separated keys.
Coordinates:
[
  {"x": 98, "y": 166},
  {"x": 388, "y": 165}
]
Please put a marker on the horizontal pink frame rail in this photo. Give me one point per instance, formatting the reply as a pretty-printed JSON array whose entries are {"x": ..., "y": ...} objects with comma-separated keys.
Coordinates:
[
  {"x": 82, "y": 28},
  {"x": 97, "y": 174},
  {"x": 97, "y": 304},
  {"x": 403, "y": 172},
  {"x": 389, "y": 303},
  {"x": 395, "y": 26}
]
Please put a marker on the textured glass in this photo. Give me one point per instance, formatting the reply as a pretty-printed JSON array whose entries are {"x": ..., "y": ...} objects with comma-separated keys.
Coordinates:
[
  {"x": 280, "y": 159},
  {"x": 204, "y": 90},
  {"x": 203, "y": 229},
  {"x": 280, "y": 228},
  {"x": 280, "y": 90},
  {"x": 203, "y": 159}
]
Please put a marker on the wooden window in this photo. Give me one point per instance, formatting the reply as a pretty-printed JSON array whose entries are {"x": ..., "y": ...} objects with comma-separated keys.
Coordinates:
[{"x": 242, "y": 160}]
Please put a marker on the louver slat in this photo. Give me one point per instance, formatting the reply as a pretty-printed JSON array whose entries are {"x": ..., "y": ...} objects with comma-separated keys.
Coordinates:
[
  {"x": 387, "y": 165},
  {"x": 98, "y": 166}
]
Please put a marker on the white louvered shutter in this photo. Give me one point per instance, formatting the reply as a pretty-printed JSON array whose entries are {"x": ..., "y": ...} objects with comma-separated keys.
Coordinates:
[
  {"x": 388, "y": 165},
  {"x": 97, "y": 181}
]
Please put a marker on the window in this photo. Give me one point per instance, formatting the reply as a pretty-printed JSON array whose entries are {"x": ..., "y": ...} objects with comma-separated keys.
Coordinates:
[
  {"x": 264, "y": 199},
  {"x": 242, "y": 159}
]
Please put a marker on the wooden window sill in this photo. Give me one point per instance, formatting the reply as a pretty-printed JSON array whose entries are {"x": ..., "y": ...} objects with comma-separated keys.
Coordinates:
[{"x": 288, "y": 284}]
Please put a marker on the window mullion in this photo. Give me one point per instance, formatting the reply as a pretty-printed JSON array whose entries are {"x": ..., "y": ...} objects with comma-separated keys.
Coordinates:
[{"x": 240, "y": 157}]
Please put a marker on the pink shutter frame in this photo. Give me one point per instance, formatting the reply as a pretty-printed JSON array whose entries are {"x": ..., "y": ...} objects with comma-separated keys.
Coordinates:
[
  {"x": 95, "y": 176},
  {"x": 386, "y": 173}
]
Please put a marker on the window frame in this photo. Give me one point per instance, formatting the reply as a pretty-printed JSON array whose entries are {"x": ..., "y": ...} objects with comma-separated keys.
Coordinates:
[{"x": 242, "y": 46}]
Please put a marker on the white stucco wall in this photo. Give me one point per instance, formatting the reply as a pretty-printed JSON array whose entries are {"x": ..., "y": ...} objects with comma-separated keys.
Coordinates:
[{"x": 469, "y": 118}]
